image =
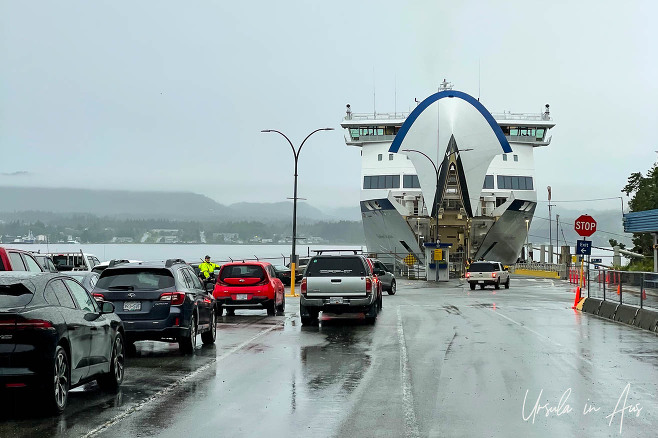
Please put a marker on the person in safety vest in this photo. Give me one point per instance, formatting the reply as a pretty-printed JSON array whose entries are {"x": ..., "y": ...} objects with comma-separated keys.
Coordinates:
[{"x": 207, "y": 269}]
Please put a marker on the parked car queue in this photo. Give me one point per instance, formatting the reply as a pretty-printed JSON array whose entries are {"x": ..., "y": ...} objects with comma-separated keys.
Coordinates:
[{"x": 77, "y": 326}]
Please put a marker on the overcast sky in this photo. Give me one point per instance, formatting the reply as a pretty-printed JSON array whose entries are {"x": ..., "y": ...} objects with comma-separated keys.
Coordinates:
[{"x": 164, "y": 95}]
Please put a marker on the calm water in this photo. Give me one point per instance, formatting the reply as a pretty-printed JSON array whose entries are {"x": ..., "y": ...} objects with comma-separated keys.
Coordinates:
[{"x": 190, "y": 253}]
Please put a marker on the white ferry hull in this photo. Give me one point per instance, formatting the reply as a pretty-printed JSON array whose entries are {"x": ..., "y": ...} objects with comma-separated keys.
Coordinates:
[{"x": 387, "y": 233}]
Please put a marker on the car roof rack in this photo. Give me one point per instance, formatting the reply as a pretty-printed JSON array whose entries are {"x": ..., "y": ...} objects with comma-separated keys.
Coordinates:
[
  {"x": 320, "y": 251},
  {"x": 115, "y": 262},
  {"x": 170, "y": 262}
]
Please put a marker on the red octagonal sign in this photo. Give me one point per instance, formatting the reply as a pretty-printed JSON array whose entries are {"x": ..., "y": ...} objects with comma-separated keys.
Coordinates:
[{"x": 585, "y": 225}]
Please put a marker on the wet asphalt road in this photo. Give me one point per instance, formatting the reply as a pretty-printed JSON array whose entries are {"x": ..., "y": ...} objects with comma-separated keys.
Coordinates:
[{"x": 440, "y": 361}]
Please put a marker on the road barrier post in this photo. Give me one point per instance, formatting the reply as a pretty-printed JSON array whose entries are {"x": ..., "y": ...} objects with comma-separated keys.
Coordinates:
[
  {"x": 606, "y": 276},
  {"x": 643, "y": 293},
  {"x": 619, "y": 289}
]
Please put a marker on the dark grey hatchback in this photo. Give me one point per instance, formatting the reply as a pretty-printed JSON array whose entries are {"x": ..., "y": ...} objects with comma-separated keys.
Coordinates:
[
  {"x": 160, "y": 301},
  {"x": 54, "y": 336}
]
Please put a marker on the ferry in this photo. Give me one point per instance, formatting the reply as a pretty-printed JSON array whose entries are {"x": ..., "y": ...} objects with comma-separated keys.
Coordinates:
[{"x": 475, "y": 168}]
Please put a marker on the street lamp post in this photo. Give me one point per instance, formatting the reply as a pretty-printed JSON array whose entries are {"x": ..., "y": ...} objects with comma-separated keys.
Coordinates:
[
  {"x": 293, "y": 256},
  {"x": 527, "y": 245}
]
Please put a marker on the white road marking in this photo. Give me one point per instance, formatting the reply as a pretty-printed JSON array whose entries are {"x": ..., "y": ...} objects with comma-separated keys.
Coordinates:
[
  {"x": 496, "y": 312},
  {"x": 119, "y": 417},
  {"x": 411, "y": 423}
]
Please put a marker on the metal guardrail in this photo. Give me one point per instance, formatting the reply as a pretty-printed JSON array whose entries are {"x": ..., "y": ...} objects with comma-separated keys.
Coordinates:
[
  {"x": 638, "y": 289},
  {"x": 377, "y": 116},
  {"x": 521, "y": 116}
]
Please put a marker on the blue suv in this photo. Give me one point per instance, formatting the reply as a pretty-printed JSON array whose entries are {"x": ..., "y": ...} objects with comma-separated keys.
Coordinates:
[{"x": 161, "y": 301}]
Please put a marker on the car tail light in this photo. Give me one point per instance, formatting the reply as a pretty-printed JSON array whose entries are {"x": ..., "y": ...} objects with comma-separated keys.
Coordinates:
[
  {"x": 468, "y": 275},
  {"x": 176, "y": 298},
  {"x": 98, "y": 297},
  {"x": 22, "y": 324},
  {"x": 303, "y": 287},
  {"x": 368, "y": 286},
  {"x": 493, "y": 275}
]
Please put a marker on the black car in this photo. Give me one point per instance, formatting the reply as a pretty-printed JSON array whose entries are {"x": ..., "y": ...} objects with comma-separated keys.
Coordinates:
[
  {"x": 159, "y": 301},
  {"x": 54, "y": 336},
  {"x": 282, "y": 273}
]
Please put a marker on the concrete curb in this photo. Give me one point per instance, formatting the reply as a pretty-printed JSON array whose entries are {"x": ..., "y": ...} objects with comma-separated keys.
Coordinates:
[
  {"x": 630, "y": 315},
  {"x": 591, "y": 305},
  {"x": 646, "y": 319},
  {"x": 608, "y": 309}
]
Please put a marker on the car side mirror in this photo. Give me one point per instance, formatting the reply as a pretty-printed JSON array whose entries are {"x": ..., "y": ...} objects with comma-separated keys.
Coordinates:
[{"x": 106, "y": 307}]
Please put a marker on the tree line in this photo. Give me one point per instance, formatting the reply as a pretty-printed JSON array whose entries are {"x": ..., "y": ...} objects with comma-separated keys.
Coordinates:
[{"x": 92, "y": 229}]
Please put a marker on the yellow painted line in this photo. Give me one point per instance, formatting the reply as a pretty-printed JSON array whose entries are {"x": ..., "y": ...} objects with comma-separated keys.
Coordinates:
[{"x": 543, "y": 274}]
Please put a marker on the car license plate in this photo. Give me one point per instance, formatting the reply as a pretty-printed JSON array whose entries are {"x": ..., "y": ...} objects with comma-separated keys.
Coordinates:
[
  {"x": 481, "y": 281},
  {"x": 336, "y": 300},
  {"x": 132, "y": 306},
  {"x": 241, "y": 297}
]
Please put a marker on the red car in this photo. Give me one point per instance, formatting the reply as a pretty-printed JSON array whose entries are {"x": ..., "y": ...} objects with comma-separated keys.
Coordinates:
[
  {"x": 249, "y": 285},
  {"x": 18, "y": 260}
]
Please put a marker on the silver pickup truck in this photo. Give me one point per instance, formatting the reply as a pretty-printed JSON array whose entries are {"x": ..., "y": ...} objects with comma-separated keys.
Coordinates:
[{"x": 338, "y": 284}]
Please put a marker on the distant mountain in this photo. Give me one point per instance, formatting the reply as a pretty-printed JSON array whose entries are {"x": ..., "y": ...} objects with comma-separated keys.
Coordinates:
[
  {"x": 278, "y": 211},
  {"x": 112, "y": 203},
  {"x": 40, "y": 202}
]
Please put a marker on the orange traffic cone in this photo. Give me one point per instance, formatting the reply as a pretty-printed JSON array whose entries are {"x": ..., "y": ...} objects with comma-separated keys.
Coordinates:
[
  {"x": 644, "y": 294},
  {"x": 575, "y": 303},
  {"x": 618, "y": 288}
]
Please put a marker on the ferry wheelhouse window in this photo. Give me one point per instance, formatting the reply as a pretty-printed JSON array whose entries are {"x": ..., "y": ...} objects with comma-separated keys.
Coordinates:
[
  {"x": 515, "y": 182},
  {"x": 410, "y": 182},
  {"x": 488, "y": 182},
  {"x": 354, "y": 133},
  {"x": 381, "y": 182}
]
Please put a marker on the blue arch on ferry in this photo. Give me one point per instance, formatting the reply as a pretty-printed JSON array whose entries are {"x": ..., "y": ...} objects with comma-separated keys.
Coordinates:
[{"x": 395, "y": 146}]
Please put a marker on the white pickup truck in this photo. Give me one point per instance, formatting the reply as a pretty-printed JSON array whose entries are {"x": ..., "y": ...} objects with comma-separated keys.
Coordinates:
[
  {"x": 339, "y": 284},
  {"x": 487, "y": 273},
  {"x": 73, "y": 261}
]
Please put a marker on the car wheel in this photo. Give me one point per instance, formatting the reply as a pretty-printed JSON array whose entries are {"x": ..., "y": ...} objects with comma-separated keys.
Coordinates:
[
  {"x": 187, "y": 343},
  {"x": 281, "y": 308},
  {"x": 111, "y": 381},
  {"x": 482, "y": 286},
  {"x": 209, "y": 337},
  {"x": 371, "y": 314},
  {"x": 472, "y": 286},
  {"x": 497, "y": 285},
  {"x": 57, "y": 390},
  {"x": 507, "y": 283},
  {"x": 311, "y": 319},
  {"x": 393, "y": 288},
  {"x": 271, "y": 307}
]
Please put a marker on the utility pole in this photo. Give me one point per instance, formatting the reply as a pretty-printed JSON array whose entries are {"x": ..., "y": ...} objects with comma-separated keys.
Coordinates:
[{"x": 550, "y": 224}]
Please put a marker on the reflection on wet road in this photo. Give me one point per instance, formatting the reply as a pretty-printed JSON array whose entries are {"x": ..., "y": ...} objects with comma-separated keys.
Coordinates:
[{"x": 442, "y": 361}]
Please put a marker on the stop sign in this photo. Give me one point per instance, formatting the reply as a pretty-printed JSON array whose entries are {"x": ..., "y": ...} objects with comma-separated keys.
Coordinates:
[{"x": 585, "y": 225}]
